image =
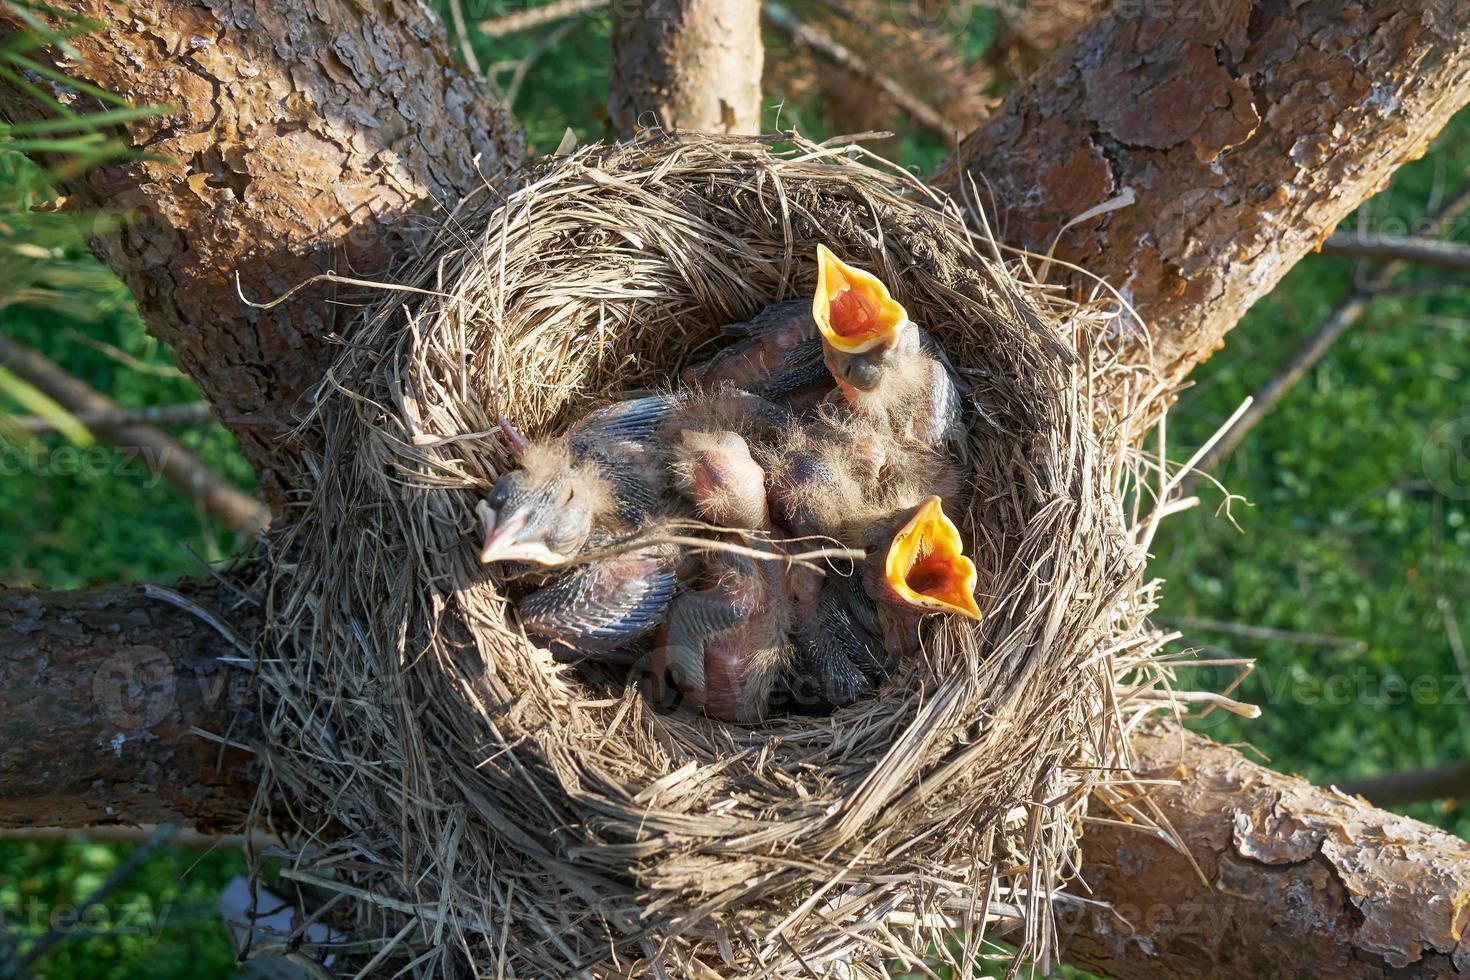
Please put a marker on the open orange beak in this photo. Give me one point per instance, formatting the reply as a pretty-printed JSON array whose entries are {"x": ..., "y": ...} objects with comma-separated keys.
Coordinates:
[
  {"x": 852, "y": 307},
  {"x": 926, "y": 564}
]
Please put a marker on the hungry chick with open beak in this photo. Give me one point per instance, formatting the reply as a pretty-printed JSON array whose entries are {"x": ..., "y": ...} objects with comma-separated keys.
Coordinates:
[
  {"x": 852, "y": 633},
  {"x": 885, "y": 367}
]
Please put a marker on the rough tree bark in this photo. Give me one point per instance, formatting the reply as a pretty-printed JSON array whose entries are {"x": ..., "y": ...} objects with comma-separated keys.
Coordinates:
[
  {"x": 101, "y": 691},
  {"x": 1302, "y": 881},
  {"x": 686, "y": 64},
  {"x": 1237, "y": 138},
  {"x": 300, "y": 135},
  {"x": 1245, "y": 129}
]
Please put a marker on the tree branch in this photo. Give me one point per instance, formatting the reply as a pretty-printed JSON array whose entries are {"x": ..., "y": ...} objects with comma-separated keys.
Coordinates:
[
  {"x": 181, "y": 413},
  {"x": 830, "y": 50},
  {"x": 1348, "y": 311},
  {"x": 686, "y": 64},
  {"x": 1417, "y": 251},
  {"x": 1243, "y": 132},
  {"x": 1297, "y": 874},
  {"x": 162, "y": 455},
  {"x": 1301, "y": 880},
  {"x": 1451, "y": 782},
  {"x": 101, "y": 695},
  {"x": 302, "y": 135},
  {"x": 524, "y": 20}
]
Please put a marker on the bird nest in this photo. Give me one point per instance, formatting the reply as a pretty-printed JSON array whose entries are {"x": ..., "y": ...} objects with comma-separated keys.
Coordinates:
[{"x": 488, "y": 810}]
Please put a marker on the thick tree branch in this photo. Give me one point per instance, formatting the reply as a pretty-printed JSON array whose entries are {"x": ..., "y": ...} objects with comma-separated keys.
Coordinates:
[
  {"x": 301, "y": 135},
  {"x": 1244, "y": 130},
  {"x": 102, "y": 693},
  {"x": 1302, "y": 881},
  {"x": 686, "y": 64},
  {"x": 163, "y": 455}
]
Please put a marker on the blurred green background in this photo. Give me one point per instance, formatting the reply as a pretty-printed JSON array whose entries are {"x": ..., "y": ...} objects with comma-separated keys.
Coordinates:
[{"x": 1345, "y": 532}]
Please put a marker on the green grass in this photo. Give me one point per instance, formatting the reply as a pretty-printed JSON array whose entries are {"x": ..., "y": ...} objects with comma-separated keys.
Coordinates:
[{"x": 1346, "y": 533}]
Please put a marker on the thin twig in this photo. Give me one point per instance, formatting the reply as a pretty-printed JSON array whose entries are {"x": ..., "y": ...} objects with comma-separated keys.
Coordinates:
[
  {"x": 829, "y": 49},
  {"x": 185, "y": 413},
  {"x": 523, "y": 66},
  {"x": 1415, "y": 251},
  {"x": 198, "y": 612},
  {"x": 461, "y": 30},
  {"x": 524, "y": 20},
  {"x": 124, "y": 358},
  {"x": 1260, "y": 632},
  {"x": 162, "y": 455},
  {"x": 140, "y": 856},
  {"x": 1413, "y": 786}
]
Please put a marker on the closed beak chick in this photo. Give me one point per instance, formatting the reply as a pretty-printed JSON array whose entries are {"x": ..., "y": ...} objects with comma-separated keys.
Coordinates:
[
  {"x": 603, "y": 479},
  {"x": 727, "y": 640},
  {"x": 601, "y": 482},
  {"x": 776, "y": 354}
]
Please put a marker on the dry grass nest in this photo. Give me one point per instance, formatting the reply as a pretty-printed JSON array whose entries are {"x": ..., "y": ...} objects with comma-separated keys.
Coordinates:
[{"x": 480, "y": 809}]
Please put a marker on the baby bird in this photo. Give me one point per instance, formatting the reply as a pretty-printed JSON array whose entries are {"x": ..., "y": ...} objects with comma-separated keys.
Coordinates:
[
  {"x": 603, "y": 479},
  {"x": 885, "y": 367},
  {"x": 838, "y": 475},
  {"x": 860, "y": 625},
  {"x": 607, "y": 479},
  {"x": 777, "y": 354},
  {"x": 727, "y": 641}
]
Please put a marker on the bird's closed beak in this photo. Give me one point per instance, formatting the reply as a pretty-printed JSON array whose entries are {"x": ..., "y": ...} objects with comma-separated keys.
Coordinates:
[
  {"x": 852, "y": 308},
  {"x": 926, "y": 564},
  {"x": 503, "y": 539}
]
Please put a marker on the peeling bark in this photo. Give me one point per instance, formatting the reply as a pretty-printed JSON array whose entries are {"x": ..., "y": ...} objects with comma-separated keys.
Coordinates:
[
  {"x": 100, "y": 693},
  {"x": 686, "y": 64},
  {"x": 1303, "y": 881},
  {"x": 300, "y": 135},
  {"x": 1246, "y": 129}
]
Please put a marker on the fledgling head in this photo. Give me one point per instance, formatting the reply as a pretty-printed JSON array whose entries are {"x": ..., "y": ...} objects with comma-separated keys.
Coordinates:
[
  {"x": 918, "y": 566},
  {"x": 715, "y": 471},
  {"x": 860, "y": 322},
  {"x": 543, "y": 512}
]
